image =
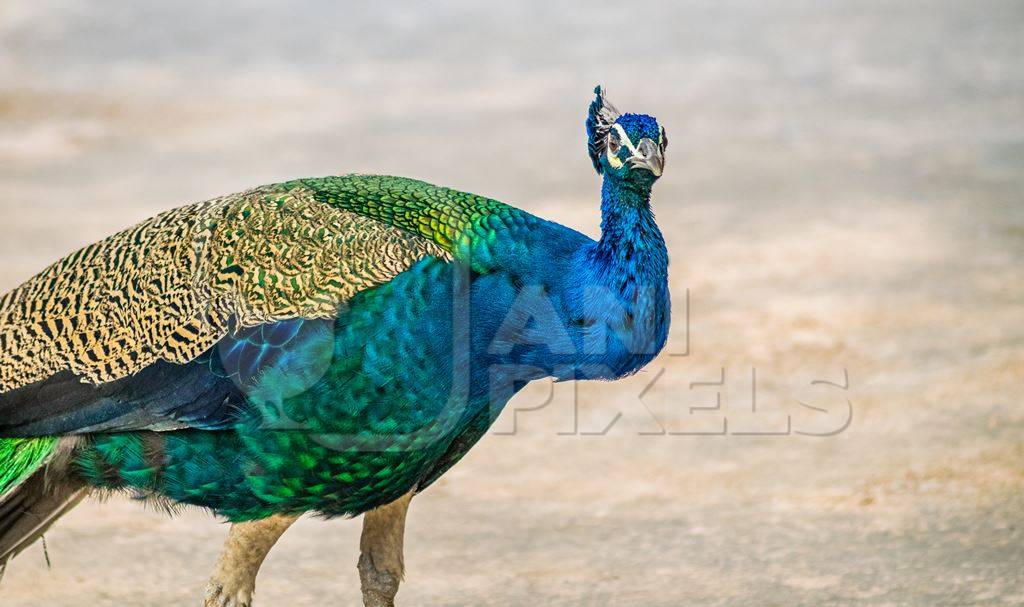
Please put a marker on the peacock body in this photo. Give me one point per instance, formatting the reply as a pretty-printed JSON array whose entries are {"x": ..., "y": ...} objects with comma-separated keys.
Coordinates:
[{"x": 323, "y": 345}]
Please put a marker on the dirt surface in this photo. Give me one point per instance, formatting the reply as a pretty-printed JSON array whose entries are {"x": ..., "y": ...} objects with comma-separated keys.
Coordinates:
[{"x": 843, "y": 206}]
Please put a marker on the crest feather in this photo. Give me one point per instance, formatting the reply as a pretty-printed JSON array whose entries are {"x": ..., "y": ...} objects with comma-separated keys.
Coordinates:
[{"x": 600, "y": 119}]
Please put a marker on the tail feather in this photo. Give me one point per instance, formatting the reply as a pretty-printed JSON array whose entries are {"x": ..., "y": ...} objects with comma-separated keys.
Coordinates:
[{"x": 37, "y": 490}]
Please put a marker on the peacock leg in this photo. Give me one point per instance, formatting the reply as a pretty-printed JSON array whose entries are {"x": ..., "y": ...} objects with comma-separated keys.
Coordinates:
[
  {"x": 234, "y": 577},
  {"x": 381, "y": 561}
]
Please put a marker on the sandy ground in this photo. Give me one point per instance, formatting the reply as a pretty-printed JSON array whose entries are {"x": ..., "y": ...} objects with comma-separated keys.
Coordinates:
[{"x": 843, "y": 204}]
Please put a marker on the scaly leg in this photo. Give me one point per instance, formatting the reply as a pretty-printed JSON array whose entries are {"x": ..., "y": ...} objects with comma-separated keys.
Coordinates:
[
  {"x": 381, "y": 561},
  {"x": 234, "y": 576}
]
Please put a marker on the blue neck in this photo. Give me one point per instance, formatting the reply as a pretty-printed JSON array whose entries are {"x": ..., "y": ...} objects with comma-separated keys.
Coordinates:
[{"x": 631, "y": 248}]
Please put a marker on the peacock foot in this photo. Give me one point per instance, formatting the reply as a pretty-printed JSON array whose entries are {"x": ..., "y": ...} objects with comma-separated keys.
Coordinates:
[
  {"x": 229, "y": 590},
  {"x": 234, "y": 577}
]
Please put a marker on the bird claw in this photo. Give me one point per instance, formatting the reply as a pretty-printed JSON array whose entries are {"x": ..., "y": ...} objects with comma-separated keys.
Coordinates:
[{"x": 230, "y": 593}]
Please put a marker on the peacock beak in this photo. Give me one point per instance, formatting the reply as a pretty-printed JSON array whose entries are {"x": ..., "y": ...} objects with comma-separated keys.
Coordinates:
[{"x": 648, "y": 156}]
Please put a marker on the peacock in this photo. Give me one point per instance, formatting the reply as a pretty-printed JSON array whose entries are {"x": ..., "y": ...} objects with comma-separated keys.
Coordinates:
[{"x": 324, "y": 345}]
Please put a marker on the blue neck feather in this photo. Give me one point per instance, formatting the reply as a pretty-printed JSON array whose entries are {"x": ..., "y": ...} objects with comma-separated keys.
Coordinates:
[{"x": 631, "y": 247}]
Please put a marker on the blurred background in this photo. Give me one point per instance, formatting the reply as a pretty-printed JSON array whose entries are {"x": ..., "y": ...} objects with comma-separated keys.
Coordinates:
[{"x": 843, "y": 203}]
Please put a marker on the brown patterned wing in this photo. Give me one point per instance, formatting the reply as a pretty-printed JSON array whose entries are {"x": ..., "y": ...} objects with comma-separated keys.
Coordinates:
[{"x": 167, "y": 288}]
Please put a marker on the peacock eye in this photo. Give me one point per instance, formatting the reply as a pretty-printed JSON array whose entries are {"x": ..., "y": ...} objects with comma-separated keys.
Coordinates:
[{"x": 613, "y": 143}]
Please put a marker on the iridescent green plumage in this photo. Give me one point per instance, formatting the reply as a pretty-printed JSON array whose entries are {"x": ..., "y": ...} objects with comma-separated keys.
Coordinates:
[
  {"x": 361, "y": 434},
  {"x": 19, "y": 457},
  {"x": 466, "y": 225}
]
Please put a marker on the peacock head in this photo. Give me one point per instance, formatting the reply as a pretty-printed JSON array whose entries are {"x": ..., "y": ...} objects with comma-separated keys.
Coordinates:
[{"x": 626, "y": 147}]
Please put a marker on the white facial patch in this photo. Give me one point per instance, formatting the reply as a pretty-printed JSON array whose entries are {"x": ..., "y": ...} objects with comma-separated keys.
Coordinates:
[{"x": 624, "y": 140}]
